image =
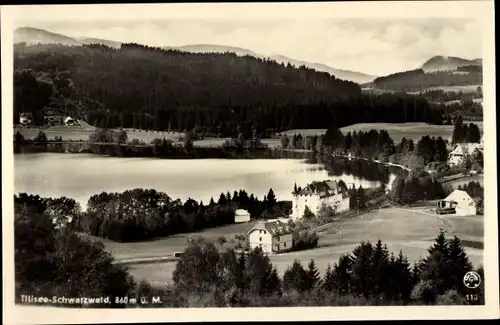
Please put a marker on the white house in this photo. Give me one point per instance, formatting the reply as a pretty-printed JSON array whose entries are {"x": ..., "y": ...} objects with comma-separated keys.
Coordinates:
[
  {"x": 241, "y": 215},
  {"x": 24, "y": 119},
  {"x": 462, "y": 202},
  {"x": 271, "y": 236},
  {"x": 460, "y": 151},
  {"x": 316, "y": 194}
]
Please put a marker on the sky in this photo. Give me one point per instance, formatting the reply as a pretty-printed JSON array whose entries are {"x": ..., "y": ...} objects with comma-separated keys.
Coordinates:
[{"x": 372, "y": 46}]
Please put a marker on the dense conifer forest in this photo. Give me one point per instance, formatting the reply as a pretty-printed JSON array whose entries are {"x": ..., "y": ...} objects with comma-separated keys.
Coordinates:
[{"x": 221, "y": 94}]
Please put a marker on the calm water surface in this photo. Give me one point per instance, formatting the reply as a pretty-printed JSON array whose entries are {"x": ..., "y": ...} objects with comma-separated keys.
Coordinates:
[{"x": 80, "y": 176}]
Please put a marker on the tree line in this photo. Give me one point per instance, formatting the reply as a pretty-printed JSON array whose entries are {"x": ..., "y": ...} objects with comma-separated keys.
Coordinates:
[
  {"x": 468, "y": 133},
  {"x": 369, "y": 275},
  {"x": 115, "y": 143},
  {"x": 442, "y": 96},
  {"x": 378, "y": 145},
  {"x": 147, "y": 88},
  {"x": 140, "y": 214}
]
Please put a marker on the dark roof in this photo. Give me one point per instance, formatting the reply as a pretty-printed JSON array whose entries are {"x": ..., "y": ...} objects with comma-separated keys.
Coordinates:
[
  {"x": 320, "y": 187},
  {"x": 277, "y": 228}
]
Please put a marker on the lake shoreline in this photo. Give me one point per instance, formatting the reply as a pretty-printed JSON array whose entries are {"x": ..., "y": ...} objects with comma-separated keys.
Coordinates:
[{"x": 82, "y": 175}]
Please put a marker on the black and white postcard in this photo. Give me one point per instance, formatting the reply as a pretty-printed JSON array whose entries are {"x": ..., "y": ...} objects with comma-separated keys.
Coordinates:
[{"x": 213, "y": 162}]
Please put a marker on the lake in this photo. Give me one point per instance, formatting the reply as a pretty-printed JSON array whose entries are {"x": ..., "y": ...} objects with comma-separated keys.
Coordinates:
[{"x": 80, "y": 176}]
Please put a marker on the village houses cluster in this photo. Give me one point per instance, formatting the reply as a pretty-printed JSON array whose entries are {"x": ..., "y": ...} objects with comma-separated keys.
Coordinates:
[{"x": 275, "y": 236}]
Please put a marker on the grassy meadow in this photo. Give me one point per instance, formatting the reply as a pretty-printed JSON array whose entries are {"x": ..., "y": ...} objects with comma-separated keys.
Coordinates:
[
  {"x": 465, "y": 180},
  {"x": 413, "y": 131},
  {"x": 397, "y": 131},
  {"x": 171, "y": 244},
  {"x": 411, "y": 231},
  {"x": 464, "y": 89}
]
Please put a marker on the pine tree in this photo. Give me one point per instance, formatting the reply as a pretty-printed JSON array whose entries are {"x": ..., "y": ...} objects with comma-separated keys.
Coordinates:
[
  {"x": 459, "y": 265},
  {"x": 271, "y": 198},
  {"x": 274, "y": 283},
  {"x": 342, "y": 275},
  {"x": 295, "y": 278},
  {"x": 415, "y": 273},
  {"x": 362, "y": 281},
  {"x": 312, "y": 275},
  {"x": 328, "y": 281},
  {"x": 222, "y": 199},
  {"x": 458, "y": 130},
  {"x": 473, "y": 135},
  {"x": 435, "y": 267},
  {"x": 295, "y": 190},
  {"x": 379, "y": 267},
  {"x": 361, "y": 198},
  {"x": 241, "y": 279},
  {"x": 403, "y": 276}
]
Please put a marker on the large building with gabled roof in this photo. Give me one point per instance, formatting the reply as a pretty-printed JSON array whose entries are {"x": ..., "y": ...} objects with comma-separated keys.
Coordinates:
[
  {"x": 315, "y": 194},
  {"x": 271, "y": 236}
]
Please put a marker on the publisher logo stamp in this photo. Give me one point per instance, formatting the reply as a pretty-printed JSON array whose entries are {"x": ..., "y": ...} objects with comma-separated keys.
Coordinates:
[{"x": 472, "y": 280}]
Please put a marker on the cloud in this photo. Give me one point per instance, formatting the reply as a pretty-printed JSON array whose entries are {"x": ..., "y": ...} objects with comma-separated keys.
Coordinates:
[{"x": 372, "y": 46}]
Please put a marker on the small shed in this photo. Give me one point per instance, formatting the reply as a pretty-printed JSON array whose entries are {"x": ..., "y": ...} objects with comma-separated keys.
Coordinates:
[{"x": 241, "y": 216}]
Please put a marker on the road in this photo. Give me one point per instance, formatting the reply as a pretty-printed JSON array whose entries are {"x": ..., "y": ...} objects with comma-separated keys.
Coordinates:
[{"x": 374, "y": 161}]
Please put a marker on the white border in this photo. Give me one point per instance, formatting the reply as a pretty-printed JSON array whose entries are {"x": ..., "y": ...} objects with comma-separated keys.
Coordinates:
[{"x": 482, "y": 10}]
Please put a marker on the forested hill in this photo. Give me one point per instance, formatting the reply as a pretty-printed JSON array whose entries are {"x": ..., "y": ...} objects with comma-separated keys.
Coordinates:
[
  {"x": 151, "y": 88},
  {"x": 417, "y": 80}
]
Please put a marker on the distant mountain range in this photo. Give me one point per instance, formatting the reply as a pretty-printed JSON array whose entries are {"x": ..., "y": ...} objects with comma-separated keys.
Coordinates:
[
  {"x": 448, "y": 63},
  {"x": 31, "y": 36}
]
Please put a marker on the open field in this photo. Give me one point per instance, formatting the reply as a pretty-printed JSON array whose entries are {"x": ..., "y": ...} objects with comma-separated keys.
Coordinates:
[
  {"x": 77, "y": 133},
  {"x": 169, "y": 245},
  {"x": 397, "y": 131},
  {"x": 464, "y": 180},
  {"x": 304, "y": 132},
  {"x": 401, "y": 229},
  {"x": 464, "y": 89},
  {"x": 413, "y": 131}
]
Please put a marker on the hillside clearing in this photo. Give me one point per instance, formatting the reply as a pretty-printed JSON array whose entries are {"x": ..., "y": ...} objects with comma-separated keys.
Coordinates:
[
  {"x": 464, "y": 89},
  {"x": 412, "y": 232},
  {"x": 397, "y": 131},
  {"x": 413, "y": 131},
  {"x": 171, "y": 244}
]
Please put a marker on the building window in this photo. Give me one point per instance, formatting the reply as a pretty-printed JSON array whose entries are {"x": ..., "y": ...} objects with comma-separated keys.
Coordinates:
[
  {"x": 264, "y": 232},
  {"x": 284, "y": 244},
  {"x": 278, "y": 238},
  {"x": 260, "y": 239}
]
